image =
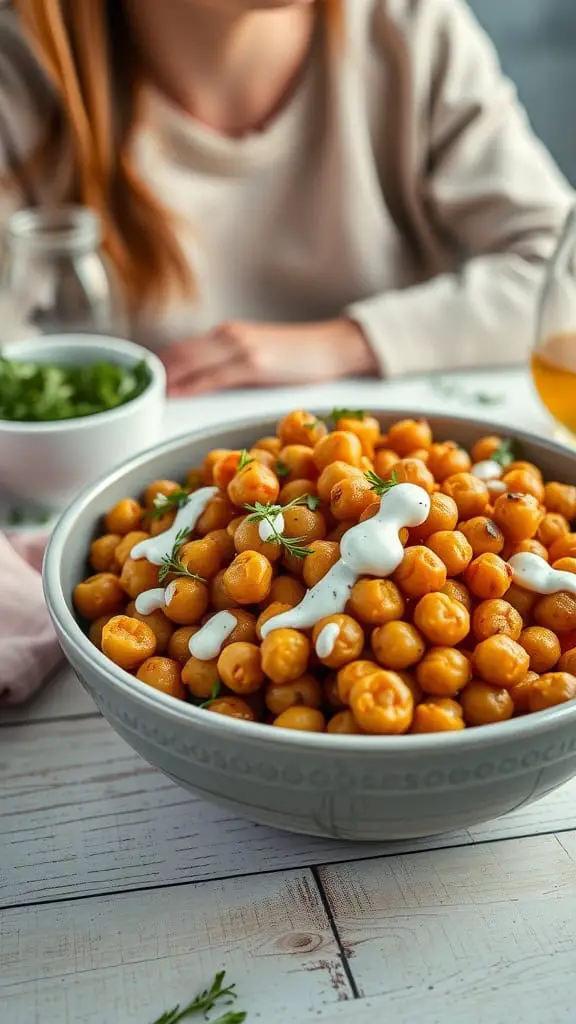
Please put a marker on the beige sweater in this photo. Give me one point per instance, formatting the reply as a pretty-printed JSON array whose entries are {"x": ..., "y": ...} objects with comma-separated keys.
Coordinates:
[{"x": 401, "y": 185}]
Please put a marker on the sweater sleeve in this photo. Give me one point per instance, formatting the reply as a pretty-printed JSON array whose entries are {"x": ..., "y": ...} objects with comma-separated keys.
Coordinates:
[{"x": 489, "y": 188}]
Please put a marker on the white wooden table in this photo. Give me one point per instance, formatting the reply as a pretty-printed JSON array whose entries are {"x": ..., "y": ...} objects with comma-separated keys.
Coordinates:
[{"x": 122, "y": 895}]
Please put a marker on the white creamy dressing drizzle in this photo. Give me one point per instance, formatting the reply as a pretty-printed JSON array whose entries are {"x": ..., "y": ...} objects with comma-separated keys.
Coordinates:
[
  {"x": 533, "y": 573},
  {"x": 487, "y": 470},
  {"x": 150, "y": 601},
  {"x": 266, "y": 529},
  {"x": 207, "y": 643},
  {"x": 371, "y": 548},
  {"x": 156, "y": 549},
  {"x": 326, "y": 641}
]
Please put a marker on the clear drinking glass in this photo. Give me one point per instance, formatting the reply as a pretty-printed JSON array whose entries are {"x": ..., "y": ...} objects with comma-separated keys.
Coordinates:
[
  {"x": 55, "y": 278},
  {"x": 554, "y": 356}
]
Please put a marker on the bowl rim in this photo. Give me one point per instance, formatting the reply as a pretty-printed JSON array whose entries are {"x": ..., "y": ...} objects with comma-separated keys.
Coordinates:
[
  {"x": 67, "y": 627},
  {"x": 104, "y": 344}
]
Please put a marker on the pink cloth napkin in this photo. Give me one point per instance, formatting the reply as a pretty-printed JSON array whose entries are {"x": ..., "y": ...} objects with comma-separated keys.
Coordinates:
[{"x": 29, "y": 650}]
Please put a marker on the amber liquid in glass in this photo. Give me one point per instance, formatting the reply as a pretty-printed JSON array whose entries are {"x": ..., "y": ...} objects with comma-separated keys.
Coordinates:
[{"x": 554, "y": 374}]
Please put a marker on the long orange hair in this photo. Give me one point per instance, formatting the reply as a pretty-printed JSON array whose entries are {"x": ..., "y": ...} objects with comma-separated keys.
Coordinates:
[{"x": 85, "y": 47}]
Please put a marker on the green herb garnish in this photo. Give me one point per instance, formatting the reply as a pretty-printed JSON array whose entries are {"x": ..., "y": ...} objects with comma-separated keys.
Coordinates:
[
  {"x": 245, "y": 460},
  {"x": 216, "y": 689},
  {"x": 269, "y": 514},
  {"x": 348, "y": 414},
  {"x": 281, "y": 469},
  {"x": 172, "y": 564},
  {"x": 506, "y": 453},
  {"x": 164, "y": 503},
  {"x": 380, "y": 486},
  {"x": 41, "y": 392},
  {"x": 205, "y": 1002}
]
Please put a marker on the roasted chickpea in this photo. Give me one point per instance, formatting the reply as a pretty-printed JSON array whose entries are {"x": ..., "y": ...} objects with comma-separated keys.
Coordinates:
[
  {"x": 561, "y": 498},
  {"x": 253, "y": 483},
  {"x": 458, "y": 591},
  {"x": 240, "y": 668},
  {"x": 270, "y": 612},
  {"x": 95, "y": 630},
  {"x": 210, "y": 461},
  {"x": 200, "y": 677},
  {"x": 159, "y": 624},
  {"x": 343, "y": 723},
  {"x": 397, "y": 645},
  {"x": 381, "y": 703},
  {"x": 340, "y": 446},
  {"x": 350, "y": 498},
  {"x": 366, "y": 428},
  {"x": 99, "y": 595},
  {"x": 521, "y": 693},
  {"x": 247, "y": 538},
  {"x": 552, "y": 689},
  {"x": 127, "y": 642},
  {"x": 563, "y": 547},
  {"x": 556, "y": 612},
  {"x": 162, "y": 674},
  {"x": 501, "y": 661},
  {"x": 443, "y": 621},
  {"x": 350, "y": 674},
  {"x": 286, "y": 590},
  {"x": 225, "y": 469},
  {"x": 297, "y": 463},
  {"x": 186, "y": 601},
  {"x": 330, "y": 692},
  {"x": 216, "y": 516},
  {"x": 565, "y": 565},
  {"x": 443, "y": 515},
  {"x": 567, "y": 640},
  {"x": 124, "y": 517},
  {"x": 297, "y": 489},
  {"x": 194, "y": 479},
  {"x": 202, "y": 557},
  {"x": 159, "y": 489},
  {"x": 438, "y": 714},
  {"x": 348, "y": 644},
  {"x": 333, "y": 474},
  {"x": 103, "y": 553},
  {"x": 406, "y": 435},
  {"x": 483, "y": 704},
  {"x": 159, "y": 524},
  {"x": 485, "y": 448},
  {"x": 305, "y": 691},
  {"x": 518, "y": 516},
  {"x": 324, "y": 555},
  {"x": 414, "y": 471},
  {"x": 420, "y": 572},
  {"x": 220, "y": 599},
  {"x": 301, "y": 427},
  {"x": 522, "y": 600},
  {"x": 265, "y": 458},
  {"x": 126, "y": 544},
  {"x": 179, "y": 644},
  {"x": 494, "y": 618},
  {"x": 302, "y": 522},
  {"x": 249, "y": 578},
  {"x": 520, "y": 481},
  {"x": 542, "y": 647},
  {"x": 384, "y": 462},
  {"x": 285, "y": 654},
  {"x": 443, "y": 672},
  {"x": 469, "y": 493},
  {"x": 232, "y": 707},
  {"x": 567, "y": 662},
  {"x": 453, "y": 549},
  {"x": 483, "y": 535},
  {"x": 302, "y": 719},
  {"x": 534, "y": 547},
  {"x": 269, "y": 444},
  {"x": 335, "y": 535},
  {"x": 448, "y": 459},
  {"x": 375, "y": 602},
  {"x": 488, "y": 576}
]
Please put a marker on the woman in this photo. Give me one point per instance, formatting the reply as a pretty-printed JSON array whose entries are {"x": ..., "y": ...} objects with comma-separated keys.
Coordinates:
[{"x": 293, "y": 190}]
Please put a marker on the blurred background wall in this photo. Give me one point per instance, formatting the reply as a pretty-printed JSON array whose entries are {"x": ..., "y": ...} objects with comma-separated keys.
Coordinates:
[{"x": 536, "y": 41}]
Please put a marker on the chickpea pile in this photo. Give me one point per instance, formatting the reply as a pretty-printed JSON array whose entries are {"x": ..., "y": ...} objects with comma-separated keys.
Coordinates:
[{"x": 447, "y": 642}]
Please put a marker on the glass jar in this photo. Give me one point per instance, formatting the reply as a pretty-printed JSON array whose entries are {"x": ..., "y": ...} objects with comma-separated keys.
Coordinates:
[
  {"x": 55, "y": 278},
  {"x": 554, "y": 356}
]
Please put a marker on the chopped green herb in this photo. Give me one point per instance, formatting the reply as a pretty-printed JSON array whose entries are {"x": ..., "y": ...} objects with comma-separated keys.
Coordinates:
[
  {"x": 172, "y": 564},
  {"x": 281, "y": 469},
  {"x": 380, "y": 486},
  {"x": 216, "y": 689},
  {"x": 164, "y": 503},
  {"x": 269, "y": 514},
  {"x": 41, "y": 392},
  {"x": 205, "y": 1002},
  {"x": 348, "y": 414},
  {"x": 506, "y": 453},
  {"x": 245, "y": 460}
]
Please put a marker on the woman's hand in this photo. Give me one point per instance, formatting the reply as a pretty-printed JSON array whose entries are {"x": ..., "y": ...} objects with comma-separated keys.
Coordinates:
[{"x": 241, "y": 354}]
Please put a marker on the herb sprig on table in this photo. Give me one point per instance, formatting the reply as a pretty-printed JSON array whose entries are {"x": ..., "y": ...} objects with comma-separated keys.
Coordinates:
[
  {"x": 205, "y": 1002},
  {"x": 43, "y": 392}
]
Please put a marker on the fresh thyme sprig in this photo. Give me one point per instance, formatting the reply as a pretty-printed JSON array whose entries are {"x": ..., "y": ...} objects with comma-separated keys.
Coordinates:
[
  {"x": 245, "y": 460},
  {"x": 380, "y": 486},
  {"x": 348, "y": 414},
  {"x": 172, "y": 564},
  {"x": 205, "y": 1002},
  {"x": 269, "y": 514},
  {"x": 506, "y": 453},
  {"x": 216, "y": 690},
  {"x": 164, "y": 503}
]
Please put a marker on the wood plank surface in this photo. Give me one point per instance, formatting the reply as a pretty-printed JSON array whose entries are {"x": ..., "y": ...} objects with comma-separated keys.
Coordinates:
[
  {"x": 487, "y": 934},
  {"x": 61, "y": 697},
  {"x": 81, "y": 813},
  {"x": 126, "y": 959}
]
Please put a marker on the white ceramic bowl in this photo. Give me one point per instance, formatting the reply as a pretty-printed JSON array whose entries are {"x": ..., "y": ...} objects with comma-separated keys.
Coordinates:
[
  {"x": 48, "y": 463},
  {"x": 350, "y": 787}
]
